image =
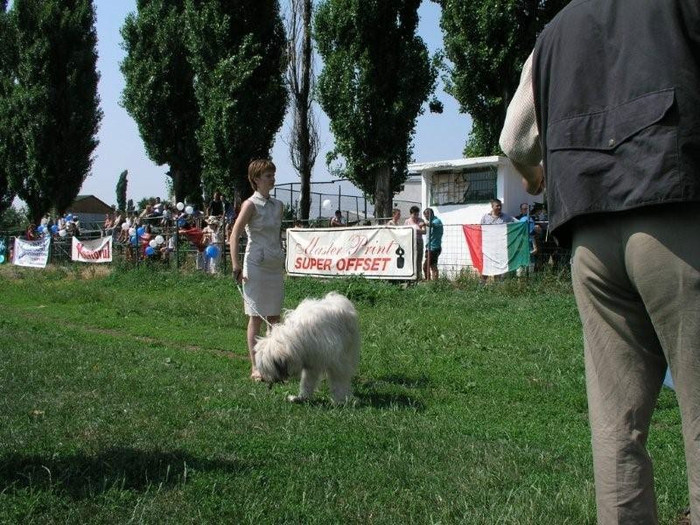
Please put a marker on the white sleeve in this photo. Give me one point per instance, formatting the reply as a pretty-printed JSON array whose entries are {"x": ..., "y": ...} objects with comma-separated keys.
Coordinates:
[{"x": 520, "y": 139}]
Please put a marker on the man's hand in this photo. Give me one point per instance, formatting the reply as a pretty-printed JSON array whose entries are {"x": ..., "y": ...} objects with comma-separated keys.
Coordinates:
[{"x": 533, "y": 177}]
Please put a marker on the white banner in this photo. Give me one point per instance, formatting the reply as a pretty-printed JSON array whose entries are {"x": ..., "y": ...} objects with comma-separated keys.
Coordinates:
[
  {"x": 34, "y": 254},
  {"x": 95, "y": 251},
  {"x": 371, "y": 251}
]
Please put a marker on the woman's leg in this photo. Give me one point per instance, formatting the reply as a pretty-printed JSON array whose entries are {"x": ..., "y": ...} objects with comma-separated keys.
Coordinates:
[{"x": 254, "y": 323}]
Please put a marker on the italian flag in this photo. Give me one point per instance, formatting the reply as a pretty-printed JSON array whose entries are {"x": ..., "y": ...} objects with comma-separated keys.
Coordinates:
[{"x": 497, "y": 248}]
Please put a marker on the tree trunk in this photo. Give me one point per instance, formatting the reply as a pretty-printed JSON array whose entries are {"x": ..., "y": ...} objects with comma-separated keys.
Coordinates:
[{"x": 382, "y": 194}]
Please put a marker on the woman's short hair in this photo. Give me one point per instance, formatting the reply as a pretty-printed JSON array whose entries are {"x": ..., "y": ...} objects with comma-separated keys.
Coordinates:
[
  {"x": 414, "y": 209},
  {"x": 256, "y": 168}
]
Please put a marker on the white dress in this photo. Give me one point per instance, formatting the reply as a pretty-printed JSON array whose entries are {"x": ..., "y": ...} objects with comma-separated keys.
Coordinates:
[{"x": 263, "y": 265}]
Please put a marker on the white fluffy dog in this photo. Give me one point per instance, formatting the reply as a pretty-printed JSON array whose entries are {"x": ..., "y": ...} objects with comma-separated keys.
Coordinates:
[{"x": 320, "y": 337}]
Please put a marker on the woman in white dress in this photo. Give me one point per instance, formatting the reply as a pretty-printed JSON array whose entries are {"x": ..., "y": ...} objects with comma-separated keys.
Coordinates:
[{"x": 262, "y": 274}]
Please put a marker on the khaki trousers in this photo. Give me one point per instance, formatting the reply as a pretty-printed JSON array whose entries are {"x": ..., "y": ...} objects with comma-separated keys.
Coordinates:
[{"x": 636, "y": 278}]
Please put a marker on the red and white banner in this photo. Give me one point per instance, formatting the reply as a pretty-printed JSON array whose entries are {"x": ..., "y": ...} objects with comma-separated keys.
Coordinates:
[
  {"x": 34, "y": 254},
  {"x": 371, "y": 251},
  {"x": 95, "y": 251}
]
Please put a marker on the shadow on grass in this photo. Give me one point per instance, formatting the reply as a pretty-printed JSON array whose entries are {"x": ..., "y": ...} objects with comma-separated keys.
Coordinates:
[
  {"x": 83, "y": 476},
  {"x": 391, "y": 392}
]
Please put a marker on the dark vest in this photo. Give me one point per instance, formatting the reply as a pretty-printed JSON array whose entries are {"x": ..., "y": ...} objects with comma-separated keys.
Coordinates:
[{"x": 617, "y": 93}]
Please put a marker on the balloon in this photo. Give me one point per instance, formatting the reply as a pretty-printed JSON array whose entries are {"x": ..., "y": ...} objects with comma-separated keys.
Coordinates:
[
  {"x": 40, "y": 229},
  {"x": 133, "y": 240},
  {"x": 159, "y": 239},
  {"x": 125, "y": 226},
  {"x": 141, "y": 231},
  {"x": 54, "y": 229},
  {"x": 132, "y": 232},
  {"x": 327, "y": 204},
  {"x": 166, "y": 214},
  {"x": 212, "y": 251},
  {"x": 181, "y": 222},
  {"x": 180, "y": 206},
  {"x": 152, "y": 243},
  {"x": 69, "y": 217},
  {"x": 150, "y": 250},
  {"x": 2, "y": 258},
  {"x": 189, "y": 210},
  {"x": 62, "y": 233}
]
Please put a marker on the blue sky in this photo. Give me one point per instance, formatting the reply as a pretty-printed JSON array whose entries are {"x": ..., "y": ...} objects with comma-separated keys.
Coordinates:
[{"x": 438, "y": 136}]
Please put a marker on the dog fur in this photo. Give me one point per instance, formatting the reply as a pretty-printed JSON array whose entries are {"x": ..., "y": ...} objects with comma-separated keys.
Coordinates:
[{"x": 321, "y": 337}]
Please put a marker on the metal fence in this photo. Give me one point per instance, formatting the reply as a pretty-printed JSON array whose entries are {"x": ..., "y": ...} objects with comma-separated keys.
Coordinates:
[
  {"x": 182, "y": 252},
  {"x": 334, "y": 195}
]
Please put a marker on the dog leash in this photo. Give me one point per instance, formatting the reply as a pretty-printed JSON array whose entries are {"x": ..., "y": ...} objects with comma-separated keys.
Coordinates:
[{"x": 247, "y": 302}]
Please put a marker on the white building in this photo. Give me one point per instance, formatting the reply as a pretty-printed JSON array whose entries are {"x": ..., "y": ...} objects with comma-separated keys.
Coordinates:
[{"x": 459, "y": 192}]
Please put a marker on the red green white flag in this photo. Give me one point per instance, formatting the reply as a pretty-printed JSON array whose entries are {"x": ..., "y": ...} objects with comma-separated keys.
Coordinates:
[{"x": 498, "y": 248}]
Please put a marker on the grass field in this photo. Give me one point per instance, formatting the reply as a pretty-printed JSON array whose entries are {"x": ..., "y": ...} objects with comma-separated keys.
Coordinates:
[{"x": 125, "y": 398}]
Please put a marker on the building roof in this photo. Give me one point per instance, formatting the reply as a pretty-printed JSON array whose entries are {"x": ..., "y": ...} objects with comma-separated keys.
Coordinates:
[
  {"x": 473, "y": 162},
  {"x": 89, "y": 204}
]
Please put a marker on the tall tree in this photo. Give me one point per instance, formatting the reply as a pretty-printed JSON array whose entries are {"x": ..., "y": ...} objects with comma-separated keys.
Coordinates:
[
  {"x": 159, "y": 91},
  {"x": 55, "y": 103},
  {"x": 237, "y": 50},
  {"x": 376, "y": 76},
  {"x": 487, "y": 43},
  {"x": 304, "y": 140},
  {"x": 8, "y": 151},
  {"x": 121, "y": 190}
]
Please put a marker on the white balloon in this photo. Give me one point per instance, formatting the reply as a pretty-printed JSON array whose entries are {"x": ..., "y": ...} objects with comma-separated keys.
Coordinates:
[
  {"x": 180, "y": 206},
  {"x": 62, "y": 233},
  {"x": 327, "y": 204},
  {"x": 189, "y": 210},
  {"x": 152, "y": 243},
  {"x": 125, "y": 226},
  {"x": 159, "y": 239},
  {"x": 166, "y": 214},
  {"x": 132, "y": 231}
]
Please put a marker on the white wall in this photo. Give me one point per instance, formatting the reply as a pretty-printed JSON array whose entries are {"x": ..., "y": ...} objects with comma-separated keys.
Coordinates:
[{"x": 509, "y": 189}]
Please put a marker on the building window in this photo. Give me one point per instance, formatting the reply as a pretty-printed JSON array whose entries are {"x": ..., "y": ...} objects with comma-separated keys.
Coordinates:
[{"x": 463, "y": 186}]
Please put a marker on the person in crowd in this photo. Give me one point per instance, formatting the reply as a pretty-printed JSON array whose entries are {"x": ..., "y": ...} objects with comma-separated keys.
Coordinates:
[
  {"x": 214, "y": 236},
  {"x": 395, "y": 218},
  {"x": 298, "y": 223},
  {"x": 30, "y": 233},
  {"x": 107, "y": 225},
  {"x": 337, "y": 219},
  {"x": 524, "y": 211},
  {"x": 433, "y": 248},
  {"x": 414, "y": 221},
  {"x": 496, "y": 215},
  {"x": 262, "y": 273},
  {"x": 609, "y": 101},
  {"x": 216, "y": 206}
]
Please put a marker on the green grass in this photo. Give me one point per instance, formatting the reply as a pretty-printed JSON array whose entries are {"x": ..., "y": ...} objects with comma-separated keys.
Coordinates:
[{"x": 126, "y": 398}]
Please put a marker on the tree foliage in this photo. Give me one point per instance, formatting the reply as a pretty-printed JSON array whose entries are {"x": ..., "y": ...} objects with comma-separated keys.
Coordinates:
[
  {"x": 54, "y": 101},
  {"x": 237, "y": 51},
  {"x": 488, "y": 42},
  {"x": 8, "y": 152},
  {"x": 121, "y": 190},
  {"x": 159, "y": 91},
  {"x": 303, "y": 139},
  {"x": 376, "y": 75}
]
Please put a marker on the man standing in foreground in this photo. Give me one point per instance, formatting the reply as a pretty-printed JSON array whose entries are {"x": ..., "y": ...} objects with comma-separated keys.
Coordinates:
[{"x": 610, "y": 101}]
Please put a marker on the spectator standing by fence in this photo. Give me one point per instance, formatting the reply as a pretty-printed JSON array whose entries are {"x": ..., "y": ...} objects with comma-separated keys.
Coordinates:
[
  {"x": 610, "y": 101},
  {"x": 337, "y": 219},
  {"x": 433, "y": 247},
  {"x": 496, "y": 215},
  {"x": 395, "y": 218},
  {"x": 414, "y": 221}
]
